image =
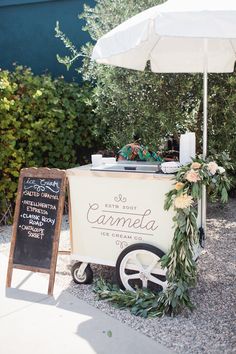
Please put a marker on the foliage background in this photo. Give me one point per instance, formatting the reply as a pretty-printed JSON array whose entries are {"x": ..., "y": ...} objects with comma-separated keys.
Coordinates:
[
  {"x": 152, "y": 106},
  {"x": 44, "y": 122}
]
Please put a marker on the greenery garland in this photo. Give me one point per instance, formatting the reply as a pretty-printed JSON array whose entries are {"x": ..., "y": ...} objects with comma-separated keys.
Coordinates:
[{"x": 179, "y": 262}]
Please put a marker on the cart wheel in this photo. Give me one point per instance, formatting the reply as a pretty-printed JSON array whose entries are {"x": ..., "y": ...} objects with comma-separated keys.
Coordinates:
[
  {"x": 138, "y": 266},
  {"x": 82, "y": 273}
]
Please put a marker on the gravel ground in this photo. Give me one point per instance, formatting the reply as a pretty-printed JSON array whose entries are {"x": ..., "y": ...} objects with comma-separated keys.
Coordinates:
[{"x": 211, "y": 327}]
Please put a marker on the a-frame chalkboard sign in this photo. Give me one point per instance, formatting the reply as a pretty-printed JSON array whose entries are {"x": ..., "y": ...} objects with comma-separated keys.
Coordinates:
[{"x": 37, "y": 222}]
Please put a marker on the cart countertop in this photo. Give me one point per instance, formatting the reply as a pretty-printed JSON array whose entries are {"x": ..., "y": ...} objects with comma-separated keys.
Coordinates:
[{"x": 86, "y": 170}]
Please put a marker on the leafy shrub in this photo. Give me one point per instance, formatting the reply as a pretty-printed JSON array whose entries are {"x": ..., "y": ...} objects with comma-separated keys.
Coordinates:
[{"x": 44, "y": 122}]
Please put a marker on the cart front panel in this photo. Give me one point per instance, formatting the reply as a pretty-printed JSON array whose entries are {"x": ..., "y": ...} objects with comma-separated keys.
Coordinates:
[{"x": 110, "y": 213}]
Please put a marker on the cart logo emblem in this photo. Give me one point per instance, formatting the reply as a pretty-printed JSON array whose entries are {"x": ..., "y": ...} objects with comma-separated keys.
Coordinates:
[
  {"x": 122, "y": 244},
  {"x": 120, "y": 198}
]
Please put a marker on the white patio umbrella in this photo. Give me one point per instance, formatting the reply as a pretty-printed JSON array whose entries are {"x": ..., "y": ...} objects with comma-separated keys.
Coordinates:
[{"x": 179, "y": 36}]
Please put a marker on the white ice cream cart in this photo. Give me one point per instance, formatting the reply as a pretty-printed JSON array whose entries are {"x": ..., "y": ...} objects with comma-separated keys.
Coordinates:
[{"x": 117, "y": 218}]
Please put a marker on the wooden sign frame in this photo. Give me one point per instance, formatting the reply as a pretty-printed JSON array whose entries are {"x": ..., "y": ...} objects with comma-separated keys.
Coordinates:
[{"x": 43, "y": 173}]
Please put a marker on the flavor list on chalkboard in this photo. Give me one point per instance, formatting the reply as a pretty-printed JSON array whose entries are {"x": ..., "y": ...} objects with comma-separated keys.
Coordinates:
[{"x": 36, "y": 223}]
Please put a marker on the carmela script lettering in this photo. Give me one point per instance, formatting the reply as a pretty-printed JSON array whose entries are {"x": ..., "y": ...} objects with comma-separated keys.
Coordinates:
[
  {"x": 41, "y": 185},
  {"x": 137, "y": 221}
]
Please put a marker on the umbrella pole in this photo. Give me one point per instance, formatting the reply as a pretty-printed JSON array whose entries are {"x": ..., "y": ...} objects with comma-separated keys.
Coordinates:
[
  {"x": 204, "y": 202},
  {"x": 204, "y": 113}
]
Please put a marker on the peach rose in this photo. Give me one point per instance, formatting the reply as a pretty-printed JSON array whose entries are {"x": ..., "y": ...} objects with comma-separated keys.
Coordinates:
[
  {"x": 192, "y": 176},
  {"x": 183, "y": 201},
  {"x": 196, "y": 165},
  {"x": 179, "y": 185}
]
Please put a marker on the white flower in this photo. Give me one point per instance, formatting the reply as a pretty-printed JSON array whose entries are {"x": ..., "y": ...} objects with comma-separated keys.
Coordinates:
[
  {"x": 212, "y": 167},
  {"x": 221, "y": 169}
]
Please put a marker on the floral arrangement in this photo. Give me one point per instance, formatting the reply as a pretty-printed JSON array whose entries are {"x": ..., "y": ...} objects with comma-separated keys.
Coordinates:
[
  {"x": 181, "y": 267},
  {"x": 136, "y": 152},
  {"x": 179, "y": 262}
]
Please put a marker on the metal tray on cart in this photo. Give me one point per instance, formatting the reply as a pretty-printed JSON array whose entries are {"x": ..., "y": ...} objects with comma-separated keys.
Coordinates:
[{"x": 130, "y": 166}]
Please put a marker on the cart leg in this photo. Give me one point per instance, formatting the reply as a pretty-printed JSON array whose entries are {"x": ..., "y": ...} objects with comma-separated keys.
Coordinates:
[{"x": 203, "y": 207}]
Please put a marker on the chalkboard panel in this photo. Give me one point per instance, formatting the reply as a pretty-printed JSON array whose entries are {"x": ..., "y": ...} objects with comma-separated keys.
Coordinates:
[{"x": 37, "y": 221}]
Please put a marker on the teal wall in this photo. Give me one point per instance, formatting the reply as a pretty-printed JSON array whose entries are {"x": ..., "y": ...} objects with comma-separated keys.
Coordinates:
[{"x": 27, "y": 34}]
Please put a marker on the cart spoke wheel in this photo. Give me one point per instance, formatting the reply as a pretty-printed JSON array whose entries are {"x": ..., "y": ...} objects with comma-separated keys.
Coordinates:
[
  {"x": 152, "y": 265},
  {"x": 145, "y": 282},
  {"x": 158, "y": 281},
  {"x": 132, "y": 276},
  {"x": 137, "y": 261},
  {"x": 138, "y": 266}
]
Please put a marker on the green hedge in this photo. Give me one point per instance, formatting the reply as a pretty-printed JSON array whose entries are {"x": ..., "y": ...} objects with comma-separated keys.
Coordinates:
[{"x": 44, "y": 122}]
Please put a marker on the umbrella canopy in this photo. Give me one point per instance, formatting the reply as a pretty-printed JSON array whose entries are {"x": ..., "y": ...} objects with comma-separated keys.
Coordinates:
[{"x": 179, "y": 36}]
